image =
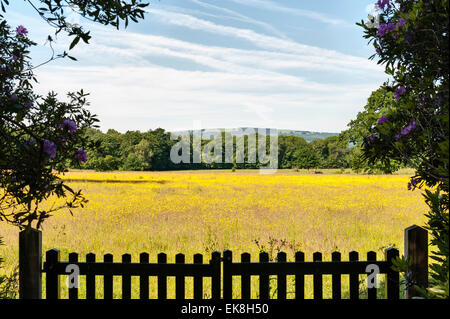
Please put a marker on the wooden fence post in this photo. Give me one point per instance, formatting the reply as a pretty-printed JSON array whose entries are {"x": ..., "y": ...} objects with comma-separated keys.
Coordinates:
[
  {"x": 416, "y": 250},
  {"x": 30, "y": 264}
]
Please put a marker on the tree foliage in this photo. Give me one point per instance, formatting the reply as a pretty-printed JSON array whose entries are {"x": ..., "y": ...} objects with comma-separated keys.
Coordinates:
[
  {"x": 411, "y": 40},
  {"x": 137, "y": 151},
  {"x": 379, "y": 103}
]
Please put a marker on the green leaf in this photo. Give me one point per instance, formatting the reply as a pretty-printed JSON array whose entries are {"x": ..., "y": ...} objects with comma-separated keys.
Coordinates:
[{"x": 74, "y": 42}]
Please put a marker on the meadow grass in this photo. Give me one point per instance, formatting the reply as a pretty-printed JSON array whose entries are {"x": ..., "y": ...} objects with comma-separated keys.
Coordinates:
[{"x": 202, "y": 211}]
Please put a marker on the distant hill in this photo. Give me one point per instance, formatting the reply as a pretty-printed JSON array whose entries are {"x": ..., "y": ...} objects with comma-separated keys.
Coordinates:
[
  {"x": 307, "y": 135},
  {"x": 212, "y": 133}
]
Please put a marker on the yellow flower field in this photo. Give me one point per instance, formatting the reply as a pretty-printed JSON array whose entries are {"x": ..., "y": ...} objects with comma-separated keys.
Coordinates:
[{"x": 199, "y": 212}]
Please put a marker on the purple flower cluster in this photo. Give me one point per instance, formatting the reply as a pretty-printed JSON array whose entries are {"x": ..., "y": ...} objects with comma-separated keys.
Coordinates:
[
  {"x": 406, "y": 130},
  {"x": 21, "y": 30},
  {"x": 50, "y": 148},
  {"x": 399, "y": 91},
  {"x": 413, "y": 183},
  {"x": 383, "y": 3},
  {"x": 385, "y": 28},
  {"x": 401, "y": 22},
  {"x": 70, "y": 125},
  {"x": 81, "y": 155},
  {"x": 382, "y": 119}
]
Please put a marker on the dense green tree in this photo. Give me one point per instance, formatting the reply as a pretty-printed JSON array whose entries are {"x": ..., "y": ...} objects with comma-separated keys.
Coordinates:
[
  {"x": 144, "y": 153},
  {"x": 290, "y": 149},
  {"x": 380, "y": 102},
  {"x": 332, "y": 152},
  {"x": 306, "y": 158},
  {"x": 107, "y": 163},
  {"x": 160, "y": 145},
  {"x": 132, "y": 163},
  {"x": 151, "y": 151},
  {"x": 128, "y": 141}
]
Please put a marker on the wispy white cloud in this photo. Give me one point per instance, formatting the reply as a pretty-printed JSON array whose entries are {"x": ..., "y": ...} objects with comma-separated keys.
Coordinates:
[
  {"x": 136, "y": 48},
  {"x": 273, "y": 6},
  {"x": 263, "y": 41},
  {"x": 274, "y": 82},
  {"x": 240, "y": 17}
]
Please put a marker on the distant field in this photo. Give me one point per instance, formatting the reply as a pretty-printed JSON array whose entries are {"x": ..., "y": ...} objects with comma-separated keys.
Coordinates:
[{"x": 202, "y": 211}]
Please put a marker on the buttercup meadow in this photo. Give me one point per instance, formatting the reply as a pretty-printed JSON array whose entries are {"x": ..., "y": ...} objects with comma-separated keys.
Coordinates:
[{"x": 203, "y": 211}]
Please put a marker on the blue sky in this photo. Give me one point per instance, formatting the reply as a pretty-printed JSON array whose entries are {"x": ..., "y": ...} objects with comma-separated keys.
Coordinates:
[{"x": 299, "y": 65}]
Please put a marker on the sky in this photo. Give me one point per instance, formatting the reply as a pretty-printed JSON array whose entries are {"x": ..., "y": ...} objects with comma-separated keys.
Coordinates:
[{"x": 286, "y": 64}]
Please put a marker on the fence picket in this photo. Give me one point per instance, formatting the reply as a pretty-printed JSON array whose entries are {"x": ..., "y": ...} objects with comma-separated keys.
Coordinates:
[
  {"x": 73, "y": 292},
  {"x": 372, "y": 292},
  {"x": 126, "y": 279},
  {"x": 162, "y": 279},
  {"x": 227, "y": 277},
  {"x": 90, "y": 278},
  {"x": 263, "y": 279},
  {"x": 245, "y": 278},
  {"x": 392, "y": 277},
  {"x": 143, "y": 279},
  {"x": 317, "y": 278},
  {"x": 215, "y": 279},
  {"x": 354, "y": 277},
  {"x": 198, "y": 280},
  {"x": 336, "y": 278},
  {"x": 52, "y": 278},
  {"x": 299, "y": 277},
  {"x": 179, "y": 279},
  {"x": 108, "y": 279},
  {"x": 281, "y": 279}
]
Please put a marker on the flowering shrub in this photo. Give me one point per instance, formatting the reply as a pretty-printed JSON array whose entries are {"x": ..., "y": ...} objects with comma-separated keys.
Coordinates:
[
  {"x": 40, "y": 136},
  {"x": 412, "y": 41}
]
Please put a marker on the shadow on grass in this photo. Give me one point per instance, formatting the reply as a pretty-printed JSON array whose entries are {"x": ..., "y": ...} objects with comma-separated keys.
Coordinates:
[{"x": 79, "y": 180}]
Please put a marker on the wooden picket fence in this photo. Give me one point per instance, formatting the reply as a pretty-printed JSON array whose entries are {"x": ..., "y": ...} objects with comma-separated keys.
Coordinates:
[
  {"x": 299, "y": 268},
  {"x": 54, "y": 269},
  {"x": 221, "y": 269}
]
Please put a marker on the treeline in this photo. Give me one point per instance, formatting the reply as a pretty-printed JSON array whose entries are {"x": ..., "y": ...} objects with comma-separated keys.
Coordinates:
[{"x": 151, "y": 150}]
